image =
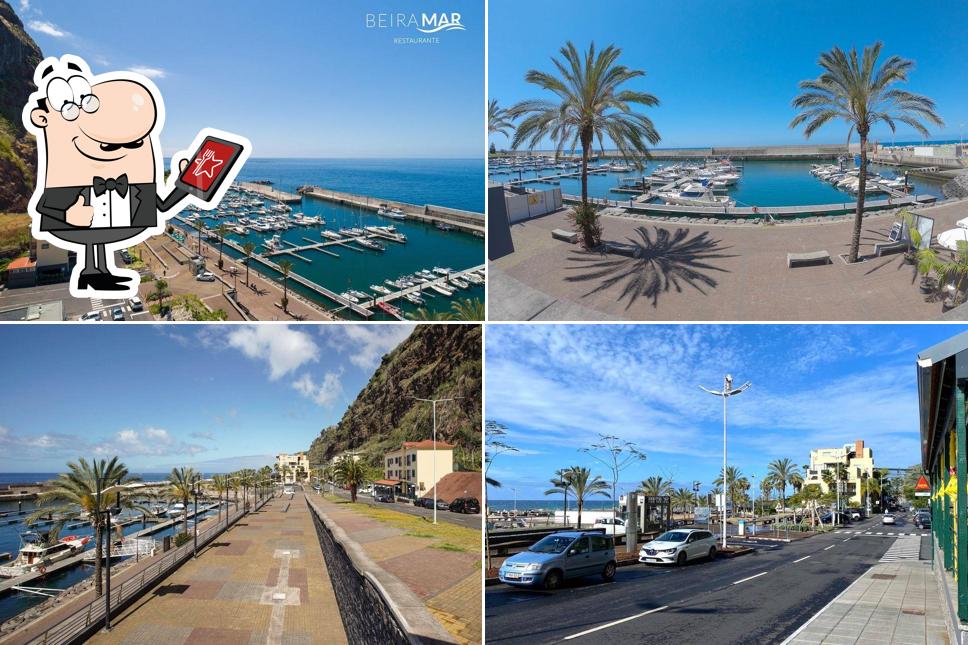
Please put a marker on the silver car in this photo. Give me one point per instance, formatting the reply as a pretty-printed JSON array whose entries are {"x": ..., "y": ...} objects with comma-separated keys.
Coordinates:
[{"x": 679, "y": 546}]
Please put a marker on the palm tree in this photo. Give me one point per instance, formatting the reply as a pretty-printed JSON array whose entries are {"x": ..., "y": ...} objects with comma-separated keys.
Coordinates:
[
  {"x": 161, "y": 291},
  {"x": 78, "y": 492},
  {"x": 221, "y": 231},
  {"x": 860, "y": 93},
  {"x": 796, "y": 480},
  {"x": 682, "y": 499},
  {"x": 584, "y": 487},
  {"x": 561, "y": 484},
  {"x": 497, "y": 119},
  {"x": 656, "y": 486},
  {"x": 737, "y": 483},
  {"x": 248, "y": 247},
  {"x": 467, "y": 309},
  {"x": 220, "y": 484},
  {"x": 285, "y": 266},
  {"x": 351, "y": 473},
  {"x": 590, "y": 104},
  {"x": 181, "y": 482},
  {"x": 425, "y": 314},
  {"x": 782, "y": 472}
]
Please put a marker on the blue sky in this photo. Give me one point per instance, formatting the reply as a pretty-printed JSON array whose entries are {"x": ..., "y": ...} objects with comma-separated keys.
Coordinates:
[
  {"x": 726, "y": 72},
  {"x": 218, "y": 397},
  {"x": 300, "y": 79},
  {"x": 813, "y": 386}
]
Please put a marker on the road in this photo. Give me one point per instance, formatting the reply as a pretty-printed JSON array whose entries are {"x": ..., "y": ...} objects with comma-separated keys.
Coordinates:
[
  {"x": 761, "y": 597},
  {"x": 460, "y": 519}
]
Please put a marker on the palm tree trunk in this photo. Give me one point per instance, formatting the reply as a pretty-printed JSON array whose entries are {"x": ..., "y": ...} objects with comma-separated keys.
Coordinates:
[
  {"x": 248, "y": 259},
  {"x": 285, "y": 298},
  {"x": 861, "y": 192},
  {"x": 584, "y": 173},
  {"x": 580, "y": 504},
  {"x": 98, "y": 551},
  {"x": 185, "y": 502},
  {"x": 353, "y": 493}
]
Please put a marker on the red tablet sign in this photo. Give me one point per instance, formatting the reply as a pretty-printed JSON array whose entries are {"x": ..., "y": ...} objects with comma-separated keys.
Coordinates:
[
  {"x": 205, "y": 168},
  {"x": 922, "y": 484}
]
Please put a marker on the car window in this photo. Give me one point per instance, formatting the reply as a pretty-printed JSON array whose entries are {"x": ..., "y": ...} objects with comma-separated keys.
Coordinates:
[
  {"x": 672, "y": 536},
  {"x": 552, "y": 544},
  {"x": 600, "y": 543},
  {"x": 580, "y": 545}
]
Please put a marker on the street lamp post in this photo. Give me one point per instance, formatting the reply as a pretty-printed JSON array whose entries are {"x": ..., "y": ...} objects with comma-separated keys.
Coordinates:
[
  {"x": 434, "y": 403},
  {"x": 754, "y": 503},
  {"x": 116, "y": 489},
  {"x": 195, "y": 485},
  {"x": 727, "y": 391}
]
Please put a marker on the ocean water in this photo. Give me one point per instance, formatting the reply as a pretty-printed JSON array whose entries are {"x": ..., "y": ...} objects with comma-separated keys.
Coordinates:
[
  {"x": 451, "y": 183},
  {"x": 763, "y": 183}
]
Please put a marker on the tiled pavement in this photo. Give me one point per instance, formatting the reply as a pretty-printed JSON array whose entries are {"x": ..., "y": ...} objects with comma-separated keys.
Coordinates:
[
  {"x": 896, "y": 603},
  {"x": 263, "y": 581},
  {"x": 449, "y": 582}
]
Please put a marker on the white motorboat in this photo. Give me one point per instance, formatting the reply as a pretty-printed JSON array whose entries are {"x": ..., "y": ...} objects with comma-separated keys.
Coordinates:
[
  {"x": 35, "y": 555},
  {"x": 694, "y": 194},
  {"x": 442, "y": 290},
  {"x": 380, "y": 289},
  {"x": 274, "y": 243},
  {"x": 370, "y": 244},
  {"x": 414, "y": 298},
  {"x": 333, "y": 235},
  {"x": 443, "y": 270},
  {"x": 392, "y": 213},
  {"x": 359, "y": 294},
  {"x": 457, "y": 282},
  {"x": 347, "y": 295}
]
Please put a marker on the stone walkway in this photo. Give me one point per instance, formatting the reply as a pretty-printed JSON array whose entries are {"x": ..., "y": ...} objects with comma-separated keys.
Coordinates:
[
  {"x": 895, "y": 602},
  {"x": 446, "y": 579},
  {"x": 264, "y": 581}
]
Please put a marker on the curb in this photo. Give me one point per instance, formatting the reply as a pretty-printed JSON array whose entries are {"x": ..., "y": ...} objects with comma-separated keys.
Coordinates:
[{"x": 416, "y": 620}]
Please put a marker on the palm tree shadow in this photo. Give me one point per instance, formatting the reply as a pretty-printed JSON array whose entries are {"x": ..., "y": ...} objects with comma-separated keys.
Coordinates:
[{"x": 649, "y": 266}]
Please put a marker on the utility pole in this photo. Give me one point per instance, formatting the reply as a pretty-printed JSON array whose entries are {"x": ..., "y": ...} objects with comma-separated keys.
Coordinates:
[{"x": 726, "y": 392}]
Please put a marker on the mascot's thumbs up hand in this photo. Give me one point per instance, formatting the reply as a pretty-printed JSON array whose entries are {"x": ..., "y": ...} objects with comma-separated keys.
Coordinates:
[{"x": 79, "y": 214}]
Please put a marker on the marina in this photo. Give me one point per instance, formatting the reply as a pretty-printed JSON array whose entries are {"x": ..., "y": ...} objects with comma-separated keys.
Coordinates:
[{"x": 339, "y": 242}]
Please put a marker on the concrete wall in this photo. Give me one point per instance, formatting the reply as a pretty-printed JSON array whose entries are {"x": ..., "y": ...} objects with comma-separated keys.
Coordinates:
[
  {"x": 499, "y": 241},
  {"x": 425, "y": 468},
  {"x": 534, "y": 204}
]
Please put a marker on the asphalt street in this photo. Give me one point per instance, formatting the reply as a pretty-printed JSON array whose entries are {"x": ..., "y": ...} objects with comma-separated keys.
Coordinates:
[
  {"x": 761, "y": 597},
  {"x": 460, "y": 519}
]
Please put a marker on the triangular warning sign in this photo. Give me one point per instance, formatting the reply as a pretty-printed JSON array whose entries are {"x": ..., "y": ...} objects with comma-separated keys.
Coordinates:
[{"x": 922, "y": 485}]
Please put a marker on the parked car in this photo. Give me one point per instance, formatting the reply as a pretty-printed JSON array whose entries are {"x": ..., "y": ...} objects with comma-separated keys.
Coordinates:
[
  {"x": 679, "y": 546},
  {"x": 384, "y": 498},
  {"x": 91, "y": 316},
  {"x": 136, "y": 304},
  {"x": 559, "y": 557},
  {"x": 117, "y": 314},
  {"x": 442, "y": 505},
  {"x": 922, "y": 519},
  {"x": 612, "y": 526},
  {"x": 465, "y": 505},
  {"x": 888, "y": 518},
  {"x": 288, "y": 490},
  {"x": 205, "y": 276}
]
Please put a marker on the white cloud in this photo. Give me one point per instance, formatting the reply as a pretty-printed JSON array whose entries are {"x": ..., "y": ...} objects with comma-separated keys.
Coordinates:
[
  {"x": 366, "y": 344},
  {"x": 326, "y": 393},
  {"x": 150, "y": 72},
  {"x": 153, "y": 442},
  {"x": 284, "y": 349},
  {"x": 47, "y": 28},
  {"x": 24, "y": 5}
]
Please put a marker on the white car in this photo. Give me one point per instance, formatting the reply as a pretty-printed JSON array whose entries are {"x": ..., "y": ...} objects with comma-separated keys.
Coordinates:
[
  {"x": 888, "y": 519},
  {"x": 91, "y": 315},
  {"x": 287, "y": 490},
  {"x": 205, "y": 276},
  {"x": 679, "y": 546},
  {"x": 612, "y": 526},
  {"x": 136, "y": 304}
]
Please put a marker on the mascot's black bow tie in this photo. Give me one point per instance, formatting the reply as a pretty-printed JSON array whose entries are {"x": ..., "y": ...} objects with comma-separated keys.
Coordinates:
[{"x": 120, "y": 185}]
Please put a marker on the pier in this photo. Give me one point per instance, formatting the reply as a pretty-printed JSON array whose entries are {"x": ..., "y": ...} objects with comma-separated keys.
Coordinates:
[
  {"x": 442, "y": 281},
  {"x": 270, "y": 193},
  {"x": 466, "y": 221}
]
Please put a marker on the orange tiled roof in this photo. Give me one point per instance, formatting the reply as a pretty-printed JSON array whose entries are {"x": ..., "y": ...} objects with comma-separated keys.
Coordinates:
[
  {"x": 22, "y": 263},
  {"x": 427, "y": 444}
]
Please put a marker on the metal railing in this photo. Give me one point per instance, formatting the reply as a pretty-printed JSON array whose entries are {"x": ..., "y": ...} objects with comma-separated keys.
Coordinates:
[{"x": 91, "y": 614}]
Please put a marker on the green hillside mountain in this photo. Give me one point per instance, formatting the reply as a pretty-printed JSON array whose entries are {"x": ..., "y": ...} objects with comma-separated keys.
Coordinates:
[
  {"x": 435, "y": 361},
  {"x": 19, "y": 55}
]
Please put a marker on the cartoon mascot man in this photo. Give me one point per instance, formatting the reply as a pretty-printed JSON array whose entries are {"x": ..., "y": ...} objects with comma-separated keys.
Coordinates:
[{"x": 100, "y": 184}]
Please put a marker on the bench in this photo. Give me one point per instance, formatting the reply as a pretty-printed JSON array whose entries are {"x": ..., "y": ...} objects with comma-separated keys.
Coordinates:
[
  {"x": 807, "y": 259},
  {"x": 565, "y": 236},
  {"x": 889, "y": 248}
]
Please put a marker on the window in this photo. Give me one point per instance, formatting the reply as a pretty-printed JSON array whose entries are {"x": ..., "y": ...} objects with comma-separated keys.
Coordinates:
[
  {"x": 580, "y": 545},
  {"x": 600, "y": 543}
]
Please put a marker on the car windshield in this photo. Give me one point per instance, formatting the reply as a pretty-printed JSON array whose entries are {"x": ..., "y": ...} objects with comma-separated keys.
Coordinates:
[
  {"x": 552, "y": 544},
  {"x": 672, "y": 536}
]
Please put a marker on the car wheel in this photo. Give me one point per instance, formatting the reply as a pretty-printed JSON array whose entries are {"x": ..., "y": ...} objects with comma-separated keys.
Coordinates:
[
  {"x": 552, "y": 580},
  {"x": 712, "y": 553},
  {"x": 681, "y": 559},
  {"x": 609, "y": 572}
]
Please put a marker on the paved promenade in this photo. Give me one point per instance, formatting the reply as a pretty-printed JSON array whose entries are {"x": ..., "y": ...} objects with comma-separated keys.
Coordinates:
[
  {"x": 893, "y": 603},
  {"x": 439, "y": 564},
  {"x": 263, "y": 581},
  {"x": 692, "y": 271}
]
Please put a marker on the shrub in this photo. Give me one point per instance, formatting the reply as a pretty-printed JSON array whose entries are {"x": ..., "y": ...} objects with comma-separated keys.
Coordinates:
[
  {"x": 182, "y": 538},
  {"x": 585, "y": 220}
]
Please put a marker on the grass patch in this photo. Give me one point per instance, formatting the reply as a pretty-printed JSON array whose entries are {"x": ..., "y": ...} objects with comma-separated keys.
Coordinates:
[
  {"x": 419, "y": 534},
  {"x": 14, "y": 232},
  {"x": 447, "y": 546}
]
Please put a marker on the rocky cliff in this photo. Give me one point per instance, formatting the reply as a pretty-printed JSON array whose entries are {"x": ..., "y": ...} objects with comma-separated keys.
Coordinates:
[
  {"x": 436, "y": 361},
  {"x": 19, "y": 55}
]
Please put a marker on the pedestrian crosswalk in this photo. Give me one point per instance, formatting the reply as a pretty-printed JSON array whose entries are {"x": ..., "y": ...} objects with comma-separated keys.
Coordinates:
[
  {"x": 904, "y": 548},
  {"x": 890, "y": 534}
]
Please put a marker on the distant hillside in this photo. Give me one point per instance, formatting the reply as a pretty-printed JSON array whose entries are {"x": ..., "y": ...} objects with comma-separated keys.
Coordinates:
[
  {"x": 19, "y": 55},
  {"x": 436, "y": 361}
]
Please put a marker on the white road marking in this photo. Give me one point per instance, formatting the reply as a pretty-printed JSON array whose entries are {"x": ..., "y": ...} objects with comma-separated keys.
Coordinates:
[
  {"x": 846, "y": 540},
  {"x": 905, "y": 548},
  {"x": 829, "y": 547},
  {"x": 617, "y": 622},
  {"x": 762, "y": 573},
  {"x": 801, "y": 559}
]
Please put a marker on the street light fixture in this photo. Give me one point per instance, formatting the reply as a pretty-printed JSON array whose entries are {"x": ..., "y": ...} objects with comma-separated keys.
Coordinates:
[
  {"x": 727, "y": 391},
  {"x": 434, "y": 403}
]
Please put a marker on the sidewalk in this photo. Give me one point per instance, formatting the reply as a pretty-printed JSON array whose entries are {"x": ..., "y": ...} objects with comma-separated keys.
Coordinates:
[
  {"x": 440, "y": 564},
  {"x": 893, "y": 602},
  {"x": 263, "y": 581}
]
